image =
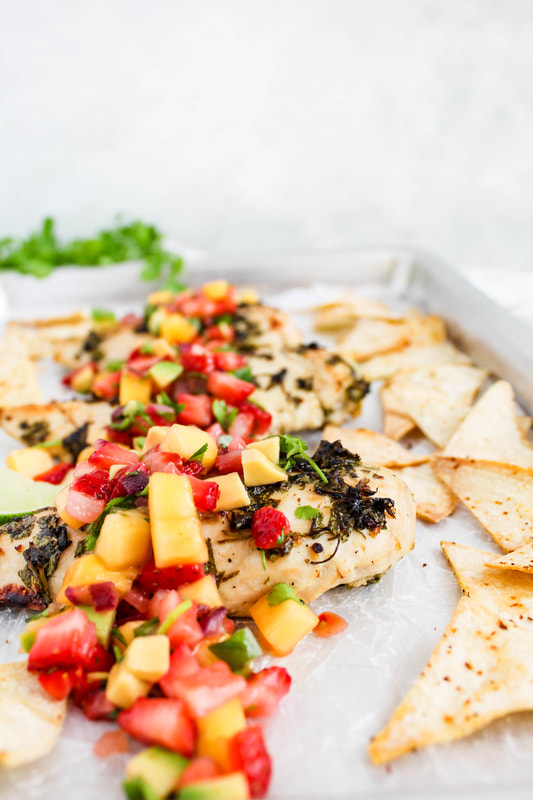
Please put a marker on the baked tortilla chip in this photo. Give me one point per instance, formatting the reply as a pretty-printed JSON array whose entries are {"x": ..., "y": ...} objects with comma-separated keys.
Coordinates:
[
  {"x": 433, "y": 499},
  {"x": 396, "y": 424},
  {"x": 498, "y": 495},
  {"x": 41, "y": 335},
  {"x": 436, "y": 398},
  {"x": 482, "y": 669},
  {"x": 492, "y": 431},
  {"x": 18, "y": 376},
  {"x": 412, "y": 357},
  {"x": 372, "y": 336},
  {"x": 520, "y": 560},
  {"x": 374, "y": 448},
  {"x": 507, "y": 593},
  {"x": 33, "y": 424},
  {"x": 347, "y": 309},
  {"x": 30, "y": 720}
]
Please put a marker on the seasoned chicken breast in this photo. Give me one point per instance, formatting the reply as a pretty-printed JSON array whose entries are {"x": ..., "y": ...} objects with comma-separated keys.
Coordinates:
[{"x": 35, "y": 551}]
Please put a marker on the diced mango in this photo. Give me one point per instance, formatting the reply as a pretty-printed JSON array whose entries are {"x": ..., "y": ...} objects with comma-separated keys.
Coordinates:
[
  {"x": 177, "y": 329},
  {"x": 176, "y": 530},
  {"x": 159, "y": 768},
  {"x": 30, "y": 461},
  {"x": 156, "y": 319},
  {"x": 148, "y": 657},
  {"x": 134, "y": 387},
  {"x": 216, "y": 290},
  {"x": 82, "y": 380},
  {"x": 127, "y": 631},
  {"x": 234, "y": 785},
  {"x": 203, "y": 591},
  {"x": 123, "y": 687},
  {"x": 162, "y": 348},
  {"x": 269, "y": 447},
  {"x": 154, "y": 436},
  {"x": 186, "y": 440},
  {"x": 60, "y": 503},
  {"x": 233, "y": 492},
  {"x": 203, "y": 654},
  {"x": 85, "y": 454},
  {"x": 283, "y": 625},
  {"x": 125, "y": 539},
  {"x": 247, "y": 296},
  {"x": 216, "y": 729},
  {"x": 89, "y": 569},
  {"x": 259, "y": 470},
  {"x": 160, "y": 298}
]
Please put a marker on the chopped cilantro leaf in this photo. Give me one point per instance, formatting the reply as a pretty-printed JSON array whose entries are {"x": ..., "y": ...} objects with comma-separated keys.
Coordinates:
[
  {"x": 244, "y": 373},
  {"x": 103, "y": 315},
  {"x": 199, "y": 455},
  {"x": 282, "y": 592},
  {"x": 114, "y": 366},
  {"x": 223, "y": 413},
  {"x": 292, "y": 447},
  {"x": 147, "y": 628},
  {"x": 306, "y": 512}
]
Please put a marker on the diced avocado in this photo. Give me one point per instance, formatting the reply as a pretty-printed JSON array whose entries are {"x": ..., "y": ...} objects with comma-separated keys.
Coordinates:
[
  {"x": 20, "y": 495},
  {"x": 238, "y": 650},
  {"x": 138, "y": 789},
  {"x": 165, "y": 372},
  {"x": 103, "y": 620},
  {"x": 234, "y": 785},
  {"x": 27, "y": 639},
  {"x": 158, "y": 769}
]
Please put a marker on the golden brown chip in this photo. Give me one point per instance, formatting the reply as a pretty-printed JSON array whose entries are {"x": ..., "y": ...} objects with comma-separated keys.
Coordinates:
[
  {"x": 18, "y": 376},
  {"x": 504, "y": 591},
  {"x": 347, "y": 309},
  {"x": 396, "y": 424},
  {"x": 433, "y": 499},
  {"x": 491, "y": 431},
  {"x": 374, "y": 448},
  {"x": 41, "y": 335},
  {"x": 30, "y": 720},
  {"x": 482, "y": 669},
  {"x": 412, "y": 357},
  {"x": 498, "y": 495},
  {"x": 372, "y": 336},
  {"x": 520, "y": 560},
  {"x": 436, "y": 398}
]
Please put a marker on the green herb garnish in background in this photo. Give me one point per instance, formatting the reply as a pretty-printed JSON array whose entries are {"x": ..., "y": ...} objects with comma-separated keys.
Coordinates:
[{"x": 42, "y": 252}]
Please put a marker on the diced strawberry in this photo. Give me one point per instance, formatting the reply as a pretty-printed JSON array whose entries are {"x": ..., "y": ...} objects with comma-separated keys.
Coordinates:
[
  {"x": 228, "y": 361},
  {"x": 132, "y": 320},
  {"x": 195, "y": 358},
  {"x": 105, "y": 385},
  {"x": 270, "y": 527},
  {"x": 160, "y": 721},
  {"x": 231, "y": 461},
  {"x": 59, "y": 683},
  {"x": 206, "y": 689},
  {"x": 215, "y": 430},
  {"x": 182, "y": 664},
  {"x": 185, "y": 629},
  {"x": 220, "y": 334},
  {"x": 54, "y": 475},
  {"x": 264, "y": 691},
  {"x": 329, "y": 625},
  {"x": 152, "y": 578},
  {"x": 65, "y": 642},
  {"x": 229, "y": 388},
  {"x": 205, "y": 493},
  {"x": 139, "y": 364},
  {"x": 82, "y": 507},
  {"x": 262, "y": 419},
  {"x": 95, "y": 704},
  {"x": 197, "y": 410},
  {"x": 155, "y": 602},
  {"x": 97, "y": 659},
  {"x": 200, "y": 769},
  {"x": 247, "y": 752},
  {"x": 242, "y": 425},
  {"x": 106, "y": 454}
]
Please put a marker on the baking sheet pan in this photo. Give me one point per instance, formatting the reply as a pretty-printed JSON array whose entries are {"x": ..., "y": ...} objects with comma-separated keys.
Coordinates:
[{"x": 345, "y": 688}]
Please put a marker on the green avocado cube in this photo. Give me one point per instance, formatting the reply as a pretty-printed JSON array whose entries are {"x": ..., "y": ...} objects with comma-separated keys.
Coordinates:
[
  {"x": 234, "y": 785},
  {"x": 165, "y": 372},
  {"x": 103, "y": 620},
  {"x": 153, "y": 773}
]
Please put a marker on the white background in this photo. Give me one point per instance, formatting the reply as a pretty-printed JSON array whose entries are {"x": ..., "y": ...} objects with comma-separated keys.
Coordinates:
[{"x": 283, "y": 125}]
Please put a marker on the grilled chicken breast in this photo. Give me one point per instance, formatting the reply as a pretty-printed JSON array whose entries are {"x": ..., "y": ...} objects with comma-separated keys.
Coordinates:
[{"x": 35, "y": 552}]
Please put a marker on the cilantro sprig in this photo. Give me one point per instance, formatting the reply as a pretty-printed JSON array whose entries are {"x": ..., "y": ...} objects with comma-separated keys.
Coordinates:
[
  {"x": 224, "y": 414},
  {"x": 306, "y": 512},
  {"x": 291, "y": 448}
]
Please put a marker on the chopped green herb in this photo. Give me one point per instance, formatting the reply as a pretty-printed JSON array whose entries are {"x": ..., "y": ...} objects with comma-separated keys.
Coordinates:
[
  {"x": 244, "y": 373},
  {"x": 44, "y": 445},
  {"x": 238, "y": 650},
  {"x": 306, "y": 512},
  {"x": 199, "y": 454},
  {"x": 292, "y": 447},
  {"x": 40, "y": 615},
  {"x": 263, "y": 560},
  {"x": 118, "y": 654},
  {"x": 224, "y": 414},
  {"x": 172, "y": 617},
  {"x": 116, "y": 634},
  {"x": 147, "y": 349},
  {"x": 103, "y": 315},
  {"x": 114, "y": 366},
  {"x": 147, "y": 628},
  {"x": 138, "y": 442},
  {"x": 165, "y": 400},
  {"x": 282, "y": 592},
  {"x": 130, "y": 412}
]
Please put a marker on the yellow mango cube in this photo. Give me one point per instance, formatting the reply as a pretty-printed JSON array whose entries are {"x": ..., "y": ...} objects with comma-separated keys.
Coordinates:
[
  {"x": 284, "y": 624},
  {"x": 216, "y": 290},
  {"x": 60, "y": 503},
  {"x": 234, "y": 785},
  {"x": 186, "y": 440},
  {"x": 89, "y": 569},
  {"x": 259, "y": 470},
  {"x": 216, "y": 729},
  {"x": 162, "y": 348},
  {"x": 154, "y": 436},
  {"x": 233, "y": 492},
  {"x": 160, "y": 298},
  {"x": 124, "y": 539},
  {"x": 30, "y": 461},
  {"x": 134, "y": 387},
  {"x": 127, "y": 630},
  {"x": 177, "y": 329},
  {"x": 148, "y": 657},
  {"x": 85, "y": 454},
  {"x": 269, "y": 447},
  {"x": 203, "y": 591},
  {"x": 176, "y": 530},
  {"x": 123, "y": 687}
]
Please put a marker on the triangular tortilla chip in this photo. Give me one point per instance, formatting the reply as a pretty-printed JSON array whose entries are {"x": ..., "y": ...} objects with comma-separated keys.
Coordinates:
[
  {"x": 374, "y": 448},
  {"x": 520, "y": 560},
  {"x": 30, "y": 720},
  {"x": 396, "y": 424},
  {"x": 412, "y": 357},
  {"x": 499, "y": 496},
  {"x": 41, "y": 335},
  {"x": 505, "y": 592},
  {"x": 18, "y": 376},
  {"x": 482, "y": 669},
  {"x": 347, "y": 309},
  {"x": 437, "y": 398},
  {"x": 372, "y": 336},
  {"x": 491, "y": 431},
  {"x": 433, "y": 499}
]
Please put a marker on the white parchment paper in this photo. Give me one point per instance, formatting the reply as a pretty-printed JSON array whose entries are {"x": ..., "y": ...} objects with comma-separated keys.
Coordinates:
[{"x": 344, "y": 688}]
